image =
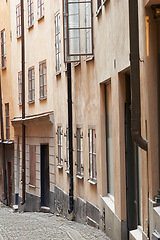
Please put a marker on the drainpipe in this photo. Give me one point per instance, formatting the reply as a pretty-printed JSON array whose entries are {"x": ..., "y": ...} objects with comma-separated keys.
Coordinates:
[
  {"x": 3, "y": 151},
  {"x": 71, "y": 201},
  {"x": 135, "y": 76},
  {"x": 23, "y": 104}
]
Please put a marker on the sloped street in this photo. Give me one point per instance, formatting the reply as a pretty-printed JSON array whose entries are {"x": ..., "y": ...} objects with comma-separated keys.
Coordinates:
[{"x": 22, "y": 226}]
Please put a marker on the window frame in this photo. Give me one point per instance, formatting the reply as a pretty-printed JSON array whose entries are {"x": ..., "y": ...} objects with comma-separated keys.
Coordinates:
[
  {"x": 7, "y": 121},
  {"x": 40, "y": 9},
  {"x": 43, "y": 84},
  {"x": 79, "y": 143},
  {"x": 30, "y": 14},
  {"x": 99, "y": 7},
  {"x": 58, "y": 43},
  {"x": 31, "y": 82},
  {"x": 20, "y": 87},
  {"x": 92, "y": 155},
  {"x": 3, "y": 49},
  {"x": 18, "y": 20},
  {"x": 60, "y": 146}
]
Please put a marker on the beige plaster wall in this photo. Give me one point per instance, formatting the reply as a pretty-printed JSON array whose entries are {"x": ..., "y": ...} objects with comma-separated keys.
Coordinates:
[{"x": 6, "y": 73}]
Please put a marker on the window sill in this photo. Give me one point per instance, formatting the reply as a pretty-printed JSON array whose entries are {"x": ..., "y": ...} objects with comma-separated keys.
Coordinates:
[
  {"x": 98, "y": 11},
  {"x": 20, "y": 104},
  {"x": 77, "y": 64},
  {"x": 60, "y": 166},
  {"x": 89, "y": 58},
  {"x": 18, "y": 37},
  {"x": 79, "y": 176},
  {"x": 94, "y": 182},
  {"x": 4, "y": 68},
  {"x": 30, "y": 27},
  {"x": 32, "y": 186},
  {"x": 31, "y": 102},
  {"x": 67, "y": 171},
  {"x": 39, "y": 19},
  {"x": 58, "y": 73},
  {"x": 43, "y": 98}
]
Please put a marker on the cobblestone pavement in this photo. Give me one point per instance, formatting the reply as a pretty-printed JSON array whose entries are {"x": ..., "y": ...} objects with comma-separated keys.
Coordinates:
[{"x": 16, "y": 225}]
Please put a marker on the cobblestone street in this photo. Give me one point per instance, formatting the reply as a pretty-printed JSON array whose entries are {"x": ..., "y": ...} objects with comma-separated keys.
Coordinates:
[{"x": 15, "y": 225}]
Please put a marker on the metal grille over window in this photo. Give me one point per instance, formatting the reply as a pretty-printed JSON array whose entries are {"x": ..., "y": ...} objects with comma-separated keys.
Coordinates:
[
  {"x": 92, "y": 155},
  {"x": 40, "y": 4},
  {"x": 31, "y": 83},
  {"x": 20, "y": 87},
  {"x": 7, "y": 121},
  {"x": 3, "y": 49},
  {"x": 18, "y": 20},
  {"x": 79, "y": 152},
  {"x": 30, "y": 13},
  {"x": 43, "y": 80},
  {"x": 60, "y": 157},
  {"x": 58, "y": 43},
  {"x": 79, "y": 28}
]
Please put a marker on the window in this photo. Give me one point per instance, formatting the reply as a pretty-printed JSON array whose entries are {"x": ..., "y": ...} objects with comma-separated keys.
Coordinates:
[
  {"x": 40, "y": 9},
  {"x": 57, "y": 43},
  {"x": 31, "y": 85},
  {"x": 109, "y": 139},
  {"x": 3, "y": 49},
  {"x": 20, "y": 88},
  {"x": 30, "y": 13},
  {"x": 67, "y": 149},
  {"x": 79, "y": 152},
  {"x": 18, "y": 20},
  {"x": 88, "y": 30},
  {"x": 32, "y": 165},
  {"x": 92, "y": 155},
  {"x": 43, "y": 80},
  {"x": 59, "y": 134},
  {"x": 7, "y": 121}
]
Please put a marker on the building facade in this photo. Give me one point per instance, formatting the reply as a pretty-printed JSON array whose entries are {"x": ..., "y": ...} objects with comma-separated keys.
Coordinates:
[
  {"x": 7, "y": 108},
  {"x": 115, "y": 182}
]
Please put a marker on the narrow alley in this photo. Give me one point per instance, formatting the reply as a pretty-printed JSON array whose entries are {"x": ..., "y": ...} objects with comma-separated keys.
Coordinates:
[{"x": 33, "y": 225}]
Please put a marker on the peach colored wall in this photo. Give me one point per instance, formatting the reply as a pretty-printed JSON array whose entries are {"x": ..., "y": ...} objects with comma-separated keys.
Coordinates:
[{"x": 6, "y": 73}]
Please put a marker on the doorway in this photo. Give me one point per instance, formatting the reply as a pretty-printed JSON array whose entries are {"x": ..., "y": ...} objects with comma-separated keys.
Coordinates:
[
  {"x": 9, "y": 183},
  {"x": 133, "y": 169},
  {"x": 44, "y": 175}
]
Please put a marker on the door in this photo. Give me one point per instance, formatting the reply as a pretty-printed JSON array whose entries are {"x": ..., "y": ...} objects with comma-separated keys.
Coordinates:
[
  {"x": 45, "y": 175},
  {"x": 132, "y": 166},
  {"x": 9, "y": 184}
]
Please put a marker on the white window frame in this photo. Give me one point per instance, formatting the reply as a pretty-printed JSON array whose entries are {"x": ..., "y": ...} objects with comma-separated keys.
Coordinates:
[
  {"x": 31, "y": 85},
  {"x": 20, "y": 88},
  {"x": 60, "y": 145},
  {"x": 18, "y": 20},
  {"x": 80, "y": 166},
  {"x": 43, "y": 80},
  {"x": 40, "y": 7},
  {"x": 30, "y": 14},
  {"x": 58, "y": 43},
  {"x": 92, "y": 155},
  {"x": 3, "y": 49}
]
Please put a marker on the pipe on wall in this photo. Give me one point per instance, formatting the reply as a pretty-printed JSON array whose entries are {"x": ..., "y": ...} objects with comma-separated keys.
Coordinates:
[
  {"x": 71, "y": 200},
  {"x": 23, "y": 105},
  {"x": 135, "y": 76}
]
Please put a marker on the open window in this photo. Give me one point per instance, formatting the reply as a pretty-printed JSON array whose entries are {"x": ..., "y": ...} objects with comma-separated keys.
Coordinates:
[{"x": 78, "y": 29}]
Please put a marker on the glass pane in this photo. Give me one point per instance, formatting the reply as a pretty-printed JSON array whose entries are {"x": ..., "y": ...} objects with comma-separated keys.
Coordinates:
[
  {"x": 110, "y": 164},
  {"x": 80, "y": 28}
]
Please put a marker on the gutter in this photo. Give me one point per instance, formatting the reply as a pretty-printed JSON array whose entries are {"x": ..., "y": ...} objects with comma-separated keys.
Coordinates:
[
  {"x": 135, "y": 76},
  {"x": 71, "y": 200}
]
